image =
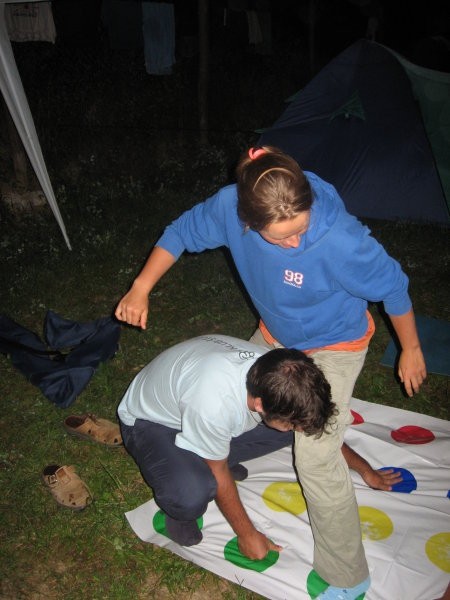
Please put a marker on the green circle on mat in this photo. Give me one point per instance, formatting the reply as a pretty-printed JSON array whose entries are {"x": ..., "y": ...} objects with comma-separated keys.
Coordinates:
[
  {"x": 233, "y": 554},
  {"x": 315, "y": 585},
  {"x": 159, "y": 523}
]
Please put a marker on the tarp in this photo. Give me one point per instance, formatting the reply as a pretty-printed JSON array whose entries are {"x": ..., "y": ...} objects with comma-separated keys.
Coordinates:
[
  {"x": 17, "y": 103},
  {"x": 359, "y": 126},
  {"x": 406, "y": 532}
]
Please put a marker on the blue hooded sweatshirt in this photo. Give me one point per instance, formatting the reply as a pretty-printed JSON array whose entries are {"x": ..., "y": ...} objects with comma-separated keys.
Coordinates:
[{"x": 311, "y": 296}]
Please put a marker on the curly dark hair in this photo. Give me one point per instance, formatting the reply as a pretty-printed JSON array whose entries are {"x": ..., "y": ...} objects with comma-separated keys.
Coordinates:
[{"x": 292, "y": 389}]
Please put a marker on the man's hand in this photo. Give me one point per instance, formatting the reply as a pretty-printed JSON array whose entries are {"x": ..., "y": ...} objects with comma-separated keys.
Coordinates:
[
  {"x": 251, "y": 542},
  {"x": 256, "y": 545},
  {"x": 381, "y": 480},
  {"x": 378, "y": 480}
]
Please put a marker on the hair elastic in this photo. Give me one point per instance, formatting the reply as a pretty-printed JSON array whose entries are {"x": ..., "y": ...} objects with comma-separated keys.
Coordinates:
[{"x": 255, "y": 153}]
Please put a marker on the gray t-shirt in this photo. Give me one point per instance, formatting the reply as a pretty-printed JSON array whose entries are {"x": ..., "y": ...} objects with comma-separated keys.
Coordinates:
[{"x": 197, "y": 387}]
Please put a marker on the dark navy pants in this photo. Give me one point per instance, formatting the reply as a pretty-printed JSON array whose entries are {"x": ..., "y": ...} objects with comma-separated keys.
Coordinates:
[{"x": 181, "y": 481}]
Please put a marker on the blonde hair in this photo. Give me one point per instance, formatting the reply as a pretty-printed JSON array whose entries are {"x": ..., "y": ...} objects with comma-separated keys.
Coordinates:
[{"x": 271, "y": 187}]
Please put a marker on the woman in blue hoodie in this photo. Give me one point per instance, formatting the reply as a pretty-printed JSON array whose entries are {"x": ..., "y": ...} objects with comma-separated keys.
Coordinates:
[{"x": 310, "y": 269}]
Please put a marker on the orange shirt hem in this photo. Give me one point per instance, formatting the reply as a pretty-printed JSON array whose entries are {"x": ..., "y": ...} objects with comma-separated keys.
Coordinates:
[{"x": 347, "y": 346}]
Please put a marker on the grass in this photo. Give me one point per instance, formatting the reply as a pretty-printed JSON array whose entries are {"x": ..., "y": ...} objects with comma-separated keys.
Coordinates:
[{"x": 123, "y": 158}]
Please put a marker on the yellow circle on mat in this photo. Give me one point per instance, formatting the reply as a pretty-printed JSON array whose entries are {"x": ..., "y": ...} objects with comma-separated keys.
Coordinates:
[
  {"x": 284, "y": 496},
  {"x": 437, "y": 549},
  {"x": 375, "y": 524}
]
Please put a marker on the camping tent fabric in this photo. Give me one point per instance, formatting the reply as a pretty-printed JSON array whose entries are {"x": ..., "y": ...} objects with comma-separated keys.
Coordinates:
[
  {"x": 432, "y": 91},
  {"x": 358, "y": 126},
  {"x": 17, "y": 103},
  {"x": 406, "y": 532}
]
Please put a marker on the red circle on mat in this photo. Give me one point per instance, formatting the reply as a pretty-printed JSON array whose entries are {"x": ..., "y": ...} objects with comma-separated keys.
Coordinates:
[
  {"x": 357, "y": 418},
  {"x": 412, "y": 434}
]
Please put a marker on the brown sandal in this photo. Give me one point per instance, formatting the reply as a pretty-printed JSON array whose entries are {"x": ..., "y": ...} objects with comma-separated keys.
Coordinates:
[
  {"x": 90, "y": 427},
  {"x": 66, "y": 487}
]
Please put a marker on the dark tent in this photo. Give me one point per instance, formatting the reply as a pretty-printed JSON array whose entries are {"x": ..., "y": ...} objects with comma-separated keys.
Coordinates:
[{"x": 358, "y": 125}]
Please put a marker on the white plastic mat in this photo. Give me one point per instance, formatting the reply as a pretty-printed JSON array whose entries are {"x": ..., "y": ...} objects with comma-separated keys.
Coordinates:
[{"x": 406, "y": 533}]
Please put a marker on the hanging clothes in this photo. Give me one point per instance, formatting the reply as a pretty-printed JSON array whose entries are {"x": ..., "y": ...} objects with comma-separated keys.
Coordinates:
[
  {"x": 30, "y": 22},
  {"x": 158, "y": 26}
]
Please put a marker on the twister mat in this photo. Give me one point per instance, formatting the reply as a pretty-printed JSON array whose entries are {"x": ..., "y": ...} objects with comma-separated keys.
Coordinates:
[{"x": 406, "y": 532}]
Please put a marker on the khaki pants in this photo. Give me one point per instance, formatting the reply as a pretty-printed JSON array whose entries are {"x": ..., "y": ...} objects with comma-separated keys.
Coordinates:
[{"x": 339, "y": 556}]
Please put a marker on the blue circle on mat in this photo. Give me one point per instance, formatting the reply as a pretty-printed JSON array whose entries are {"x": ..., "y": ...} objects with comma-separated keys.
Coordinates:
[{"x": 409, "y": 483}]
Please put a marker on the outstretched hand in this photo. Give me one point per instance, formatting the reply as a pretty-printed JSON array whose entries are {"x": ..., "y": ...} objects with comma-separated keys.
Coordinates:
[
  {"x": 133, "y": 308},
  {"x": 412, "y": 370},
  {"x": 381, "y": 480}
]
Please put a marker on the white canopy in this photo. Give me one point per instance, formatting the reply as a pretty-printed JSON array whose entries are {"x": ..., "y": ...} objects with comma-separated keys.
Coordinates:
[{"x": 16, "y": 101}]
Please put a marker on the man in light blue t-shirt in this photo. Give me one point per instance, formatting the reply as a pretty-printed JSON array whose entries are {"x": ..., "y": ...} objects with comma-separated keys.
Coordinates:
[{"x": 203, "y": 406}]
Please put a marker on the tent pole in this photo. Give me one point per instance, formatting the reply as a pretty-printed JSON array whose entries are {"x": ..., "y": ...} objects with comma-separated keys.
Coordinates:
[{"x": 17, "y": 103}]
